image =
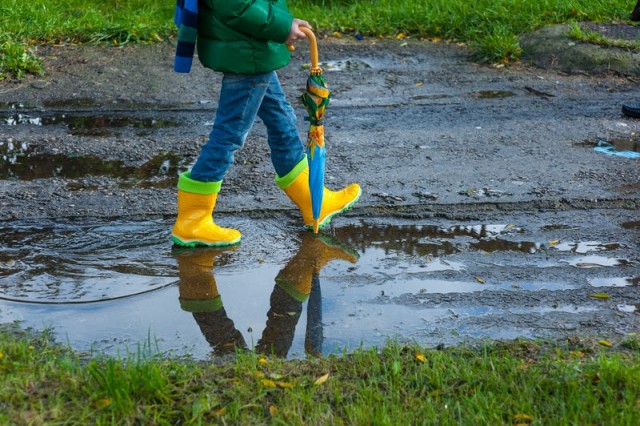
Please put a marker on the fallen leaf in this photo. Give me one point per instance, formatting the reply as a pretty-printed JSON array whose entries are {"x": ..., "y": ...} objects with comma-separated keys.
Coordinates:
[
  {"x": 221, "y": 411},
  {"x": 605, "y": 343},
  {"x": 554, "y": 243},
  {"x": 268, "y": 383},
  {"x": 275, "y": 376},
  {"x": 420, "y": 357},
  {"x": 285, "y": 385},
  {"x": 262, "y": 361},
  {"x": 321, "y": 379},
  {"x": 419, "y": 84},
  {"x": 522, "y": 416},
  {"x": 103, "y": 403},
  {"x": 600, "y": 296},
  {"x": 273, "y": 410},
  {"x": 480, "y": 280}
]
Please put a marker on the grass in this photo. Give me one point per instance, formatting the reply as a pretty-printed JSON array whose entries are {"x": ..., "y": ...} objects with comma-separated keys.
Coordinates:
[
  {"x": 490, "y": 27},
  {"x": 520, "y": 382},
  {"x": 584, "y": 34}
]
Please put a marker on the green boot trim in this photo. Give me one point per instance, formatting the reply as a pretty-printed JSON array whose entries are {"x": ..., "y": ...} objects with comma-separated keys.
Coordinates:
[
  {"x": 290, "y": 289},
  {"x": 181, "y": 243},
  {"x": 286, "y": 180},
  {"x": 185, "y": 183},
  {"x": 344, "y": 209},
  {"x": 207, "y": 305}
]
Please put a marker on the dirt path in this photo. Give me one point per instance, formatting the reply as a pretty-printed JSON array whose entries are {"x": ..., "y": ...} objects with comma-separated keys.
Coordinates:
[{"x": 430, "y": 136}]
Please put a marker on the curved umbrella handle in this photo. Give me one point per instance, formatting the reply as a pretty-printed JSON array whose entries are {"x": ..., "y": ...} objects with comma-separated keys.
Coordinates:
[{"x": 313, "y": 46}]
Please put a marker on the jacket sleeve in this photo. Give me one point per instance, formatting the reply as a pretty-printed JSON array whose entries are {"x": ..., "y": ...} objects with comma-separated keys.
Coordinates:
[{"x": 263, "y": 19}]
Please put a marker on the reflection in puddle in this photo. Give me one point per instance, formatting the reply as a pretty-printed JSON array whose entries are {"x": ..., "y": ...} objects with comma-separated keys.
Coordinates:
[
  {"x": 87, "y": 125},
  {"x": 494, "y": 94},
  {"x": 583, "y": 247},
  {"x": 611, "y": 282},
  {"x": 345, "y": 65},
  {"x": 595, "y": 262},
  {"x": 21, "y": 162},
  {"x": 629, "y": 308},
  {"x": 110, "y": 285}
]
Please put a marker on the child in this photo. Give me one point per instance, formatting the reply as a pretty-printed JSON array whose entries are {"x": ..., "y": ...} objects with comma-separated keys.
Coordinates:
[{"x": 247, "y": 41}]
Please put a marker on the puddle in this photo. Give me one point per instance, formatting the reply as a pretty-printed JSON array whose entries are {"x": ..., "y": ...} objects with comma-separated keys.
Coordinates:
[
  {"x": 612, "y": 282},
  {"x": 107, "y": 286},
  {"x": 628, "y": 147},
  {"x": 629, "y": 308},
  {"x": 634, "y": 224},
  {"x": 87, "y": 125},
  {"x": 348, "y": 65},
  {"x": 596, "y": 262},
  {"x": 585, "y": 246},
  {"x": 19, "y": 161},
  {"x": 494, "y": 94}
]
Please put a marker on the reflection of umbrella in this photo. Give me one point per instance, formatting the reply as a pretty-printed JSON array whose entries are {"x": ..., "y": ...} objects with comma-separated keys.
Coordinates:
[{"x": 315, "y": 100}]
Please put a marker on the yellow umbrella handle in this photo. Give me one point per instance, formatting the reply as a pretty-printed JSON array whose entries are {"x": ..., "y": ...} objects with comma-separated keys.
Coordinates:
[{"x": 313, "y": 46}]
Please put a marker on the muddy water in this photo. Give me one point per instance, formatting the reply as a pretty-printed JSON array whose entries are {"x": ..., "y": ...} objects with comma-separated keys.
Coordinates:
[{"x": 111, "y": 286}]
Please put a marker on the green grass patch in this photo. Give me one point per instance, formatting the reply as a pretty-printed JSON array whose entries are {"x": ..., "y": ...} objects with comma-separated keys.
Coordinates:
[
  {"x": 586, "y": 35},
  {"x": 520, "y": 382},
  {"x": 490, "y": 27}
]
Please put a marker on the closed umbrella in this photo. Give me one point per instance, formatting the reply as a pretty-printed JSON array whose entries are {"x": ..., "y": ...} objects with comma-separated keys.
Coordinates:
[{"x": 315, "y": 100}]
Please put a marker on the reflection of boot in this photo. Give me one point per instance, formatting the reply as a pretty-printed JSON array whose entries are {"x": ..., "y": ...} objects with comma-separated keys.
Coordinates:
[
  {"x": 296, "y": 185},
  {"x": 194, "y": 225},
  {"x": 294, "y": 283},
  {"x": 199, "y": 295},
  {"x": 316, "y": 250}
]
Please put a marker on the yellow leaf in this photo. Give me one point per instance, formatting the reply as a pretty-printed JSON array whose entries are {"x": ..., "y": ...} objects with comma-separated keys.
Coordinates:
[
  {"x": 262, "y": 361},
  {"x": 522, "y": 416},
  {"x": 600, "y": 296},
  {"x": 284, "y": 385},
  {"x": 273, "y": 410},
  {"x": 605, "y": 343},
  {"x": 259, "y": 374},
  {"x": 103, "y": 403},
  {"x": 1, "y": 355},
  {"x": 420, "y": 84},
  {"x": 268, "y": 383},
  {"x": 577, "y": 353},
  {"x": 480, "y": 280},
  {"x": 221, "y": 411},
  {"x": 322, "y": 379},
  {"x": 420, "y": 357},
  {"x": 400, "y": 36},
  {"x": 554, "y": 243}
]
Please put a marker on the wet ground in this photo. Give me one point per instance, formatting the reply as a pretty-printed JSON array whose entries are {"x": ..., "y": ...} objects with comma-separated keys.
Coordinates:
[{"x": 498, "y": 203}]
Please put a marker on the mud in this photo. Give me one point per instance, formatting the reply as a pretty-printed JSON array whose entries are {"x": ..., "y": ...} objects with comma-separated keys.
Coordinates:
[{"x": 435, "y": 140}]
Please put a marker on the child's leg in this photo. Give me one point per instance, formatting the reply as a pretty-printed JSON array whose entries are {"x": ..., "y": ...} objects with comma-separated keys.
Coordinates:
[
  {"x": 240, "y": 99},
  {"x": 278, "y": 116}
]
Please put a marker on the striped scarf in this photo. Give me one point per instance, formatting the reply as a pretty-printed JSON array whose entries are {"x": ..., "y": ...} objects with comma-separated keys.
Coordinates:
[{"x": 186, "y": 19}]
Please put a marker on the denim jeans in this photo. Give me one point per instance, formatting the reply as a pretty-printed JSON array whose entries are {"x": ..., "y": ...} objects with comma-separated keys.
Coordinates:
[{"x": 242, "y": 98}]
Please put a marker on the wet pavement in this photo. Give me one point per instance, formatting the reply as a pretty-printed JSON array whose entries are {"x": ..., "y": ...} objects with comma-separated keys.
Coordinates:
[{"x": 496, "y": 205}]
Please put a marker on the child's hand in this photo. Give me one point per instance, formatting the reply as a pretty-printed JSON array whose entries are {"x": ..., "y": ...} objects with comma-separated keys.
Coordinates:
[{"x": 295, "y": 34}]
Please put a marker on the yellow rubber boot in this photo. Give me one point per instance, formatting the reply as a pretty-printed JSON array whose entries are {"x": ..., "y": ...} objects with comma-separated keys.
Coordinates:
[
  {"x": 194, "y": 225},
  {"x": 296, "y": 185}
]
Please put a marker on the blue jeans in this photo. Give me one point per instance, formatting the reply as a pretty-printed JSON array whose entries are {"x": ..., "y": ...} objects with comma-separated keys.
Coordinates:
[{"x": 242, "y": 98}]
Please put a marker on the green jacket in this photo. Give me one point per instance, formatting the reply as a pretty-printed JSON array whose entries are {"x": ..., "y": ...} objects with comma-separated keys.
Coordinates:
[{"x": 243, "y": 36}]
